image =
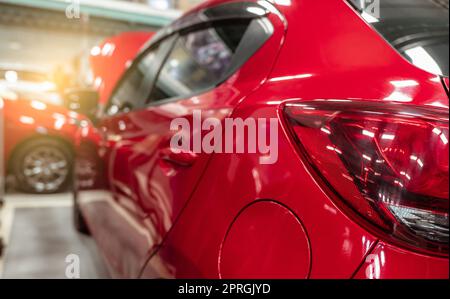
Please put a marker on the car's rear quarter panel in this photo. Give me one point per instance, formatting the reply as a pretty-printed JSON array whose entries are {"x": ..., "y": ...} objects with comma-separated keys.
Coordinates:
[{"x": 329, "y": 53}]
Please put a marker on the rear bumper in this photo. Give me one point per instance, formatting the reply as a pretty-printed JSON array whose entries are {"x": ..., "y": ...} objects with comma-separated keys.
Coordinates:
[{"x": 389, "y": 262}]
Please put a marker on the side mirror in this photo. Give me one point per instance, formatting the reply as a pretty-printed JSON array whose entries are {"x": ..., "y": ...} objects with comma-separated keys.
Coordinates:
[{"x": 83, "y": 101}]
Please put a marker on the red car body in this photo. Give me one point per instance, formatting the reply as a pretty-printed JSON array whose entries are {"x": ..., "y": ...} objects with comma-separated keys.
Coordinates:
[
  {"x": 25, "y": 120},
  {"x": 31, "y": 124},
  {"x": 157, "y": 214}
]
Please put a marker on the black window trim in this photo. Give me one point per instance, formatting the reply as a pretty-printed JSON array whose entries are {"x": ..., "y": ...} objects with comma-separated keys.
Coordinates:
[{"x": 221, "y": 12}]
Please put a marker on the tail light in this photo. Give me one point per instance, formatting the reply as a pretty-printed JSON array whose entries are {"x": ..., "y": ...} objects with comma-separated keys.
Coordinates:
[{"x": 386, "y": 164}]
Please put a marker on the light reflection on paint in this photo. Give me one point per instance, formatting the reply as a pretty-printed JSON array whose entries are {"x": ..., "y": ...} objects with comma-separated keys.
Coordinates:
[
  {"x": 405, "y": 83},
  {"x": 26, "y": 120},
  {"x": 422, "y": 59},
  {"x": 286, "y": 78},
  {"x": 283, "y": 2},
  {"x": 38, "y": 105}
]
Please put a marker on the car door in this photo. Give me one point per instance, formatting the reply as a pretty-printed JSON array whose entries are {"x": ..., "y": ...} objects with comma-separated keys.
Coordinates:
[
  {"x": 190, "y": 86},
  {"x": 117, "y": 222},
  {"x": 192, "y": 75}
]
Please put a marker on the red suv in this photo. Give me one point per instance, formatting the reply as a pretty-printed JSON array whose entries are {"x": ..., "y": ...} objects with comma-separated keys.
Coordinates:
[{"x": 358, "y": 185}]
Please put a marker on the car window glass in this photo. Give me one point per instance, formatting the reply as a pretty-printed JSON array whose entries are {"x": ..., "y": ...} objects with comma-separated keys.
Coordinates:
[
  {"x": 135, "y": 87},
  {"x": 198, "y": 61},
  {"x": 417, "y": 29}
]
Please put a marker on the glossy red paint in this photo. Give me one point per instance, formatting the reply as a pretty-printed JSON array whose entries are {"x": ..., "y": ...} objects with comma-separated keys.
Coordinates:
[
  {"x": 153, "y": 217},
  {"x": 38, "y": 143},
  {"x": 390, "y": 262},
  {"x": 246, "y": 242},
  {"x": 27, "y": 119}
]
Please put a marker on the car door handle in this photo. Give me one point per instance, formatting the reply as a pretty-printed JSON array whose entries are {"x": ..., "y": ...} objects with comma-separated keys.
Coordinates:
[{"x": 184, "y": 159}]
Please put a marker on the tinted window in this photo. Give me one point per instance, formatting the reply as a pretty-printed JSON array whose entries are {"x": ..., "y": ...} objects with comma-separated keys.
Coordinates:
[
  {"x": 198, "y": 61},
  {"x": 135, "y": 86},
  {"x": 418, "y": 29}
]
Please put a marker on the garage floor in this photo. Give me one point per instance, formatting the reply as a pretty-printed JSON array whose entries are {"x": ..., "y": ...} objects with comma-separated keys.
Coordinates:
[{"x": 39, "y": 236}]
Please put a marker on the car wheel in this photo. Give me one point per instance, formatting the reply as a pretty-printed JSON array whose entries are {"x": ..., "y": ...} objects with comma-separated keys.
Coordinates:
[{"x": 42, "y": 165}]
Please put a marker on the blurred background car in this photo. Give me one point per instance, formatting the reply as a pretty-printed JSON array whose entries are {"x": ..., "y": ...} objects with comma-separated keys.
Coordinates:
[
  {"x": 35, "y": 74},
  {"x": 44, "y": 52},
  {"x": 38, "y": 144}
]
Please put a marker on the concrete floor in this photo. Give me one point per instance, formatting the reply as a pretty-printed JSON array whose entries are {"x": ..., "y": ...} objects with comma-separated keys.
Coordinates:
[{"x": 39, "y": 237}]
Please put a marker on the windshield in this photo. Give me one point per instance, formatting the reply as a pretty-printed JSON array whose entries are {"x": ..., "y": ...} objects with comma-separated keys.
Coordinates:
[{"x": 418, "y": 29}]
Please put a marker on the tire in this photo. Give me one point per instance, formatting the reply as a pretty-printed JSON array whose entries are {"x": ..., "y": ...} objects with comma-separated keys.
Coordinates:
[
  {"x": 78, "y": 220},
  {"x": 42, "y": 166}
]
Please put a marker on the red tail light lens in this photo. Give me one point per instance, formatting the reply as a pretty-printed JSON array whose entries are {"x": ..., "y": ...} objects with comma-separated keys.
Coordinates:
[{"x": 388, "y": 163}]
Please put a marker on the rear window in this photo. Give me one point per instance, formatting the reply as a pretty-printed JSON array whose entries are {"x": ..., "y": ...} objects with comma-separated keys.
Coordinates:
[{"x": 418, "y": 29}]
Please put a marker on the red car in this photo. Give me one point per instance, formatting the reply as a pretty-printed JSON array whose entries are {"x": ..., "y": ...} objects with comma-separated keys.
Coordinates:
[
  {"x": 358, "y": 185},
  {"x": 39, "y": 132},
  {"x": 38, "y": 143}
]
